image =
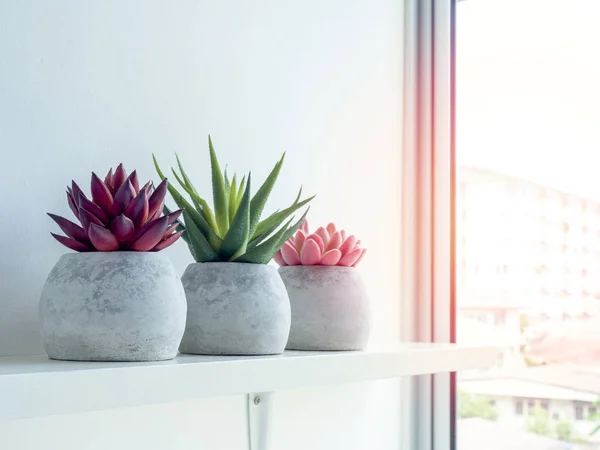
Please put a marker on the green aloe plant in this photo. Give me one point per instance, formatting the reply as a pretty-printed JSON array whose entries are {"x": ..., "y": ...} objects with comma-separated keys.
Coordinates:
[{"x": 234, "y": 231}]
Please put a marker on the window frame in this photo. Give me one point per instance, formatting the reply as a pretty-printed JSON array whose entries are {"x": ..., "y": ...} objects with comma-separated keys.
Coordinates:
[{"x": 428, "y": 206}]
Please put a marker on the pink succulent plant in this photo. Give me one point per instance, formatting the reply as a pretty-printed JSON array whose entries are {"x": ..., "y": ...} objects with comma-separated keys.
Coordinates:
[
  {"x": 120, "y": 216},
  {"x": 325, "y": 247}
]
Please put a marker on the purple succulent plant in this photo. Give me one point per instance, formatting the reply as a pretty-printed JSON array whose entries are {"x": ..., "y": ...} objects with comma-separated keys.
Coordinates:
[{"x": 119, "y": 216}]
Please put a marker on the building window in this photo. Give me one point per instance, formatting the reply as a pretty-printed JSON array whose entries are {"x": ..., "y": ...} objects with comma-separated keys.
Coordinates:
[
  {"x": 519, "y": 407},
  {"x": 555, "y": 416},
  {"x": 579, "y": 415},
  {"x": 592, "y": 411},
  {"x": 544, "y": 405},
  {"x": 530, "y": 407}
]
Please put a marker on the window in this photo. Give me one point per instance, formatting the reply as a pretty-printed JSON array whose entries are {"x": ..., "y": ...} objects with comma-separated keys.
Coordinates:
[
  {"x": 579, "y": 412},
  {"x": 519, "y": 407},
  {"x": 527, "y": 97}
]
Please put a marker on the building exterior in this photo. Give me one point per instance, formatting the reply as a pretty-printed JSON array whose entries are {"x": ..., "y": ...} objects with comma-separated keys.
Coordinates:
[
  {"x": 528, "y": 282},
  {"x": 537, "y": 245},
  {"x": 565, "y": 392}
]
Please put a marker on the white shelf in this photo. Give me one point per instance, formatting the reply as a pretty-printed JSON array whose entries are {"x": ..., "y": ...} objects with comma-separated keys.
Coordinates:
[{"x": 36, "y": 386}]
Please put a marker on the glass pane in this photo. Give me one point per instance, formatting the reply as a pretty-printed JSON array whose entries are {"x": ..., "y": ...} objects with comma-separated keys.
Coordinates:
[{"x": 528, "y": 222}]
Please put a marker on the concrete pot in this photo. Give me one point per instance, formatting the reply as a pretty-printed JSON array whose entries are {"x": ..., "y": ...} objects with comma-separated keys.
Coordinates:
[
  {"x": 117, "y": 306},
  {"x": 235, "y": 309},
  {"x": 330, "y": 308}
]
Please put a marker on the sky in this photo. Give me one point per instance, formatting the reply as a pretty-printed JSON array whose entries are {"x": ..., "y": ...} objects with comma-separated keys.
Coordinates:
[{"x": 528, "y": 90}]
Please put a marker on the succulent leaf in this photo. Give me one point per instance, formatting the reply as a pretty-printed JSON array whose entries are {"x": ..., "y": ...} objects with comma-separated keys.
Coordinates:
[
  {"x": 287, "y": 235},
  {"x": 232, "y": 199},
  {"x": 134, "y": 180},
  {"x": 226, "y": 234},
  {"x": 202, "y": 250},
  {"x": 90, "y": 206},
  {"x": 263, "y": 252},
  {"x": 123, "y": 197},
  {"x": 108, "y": 180},
  {"x": 72, "y": 243},
  {"x": 137, "y": 210},
  {"x": 310, "y": 254},
  {"x": 260, "y": 198},
  {"x": 72, "y": 205},
  {"x": 335, "y": 248},
  {"x": 168, "y": 241},
  {"x": 219, "y": 195},
  {"x": 102, "y": 239},
  {"x": 241, "y": 190},
  {"x": 180, "y": 225},
  {"x": 350, "y": 258},
  {"x": 117, "y": 215},
  {"x": 152, "y": 236},
  {"x": 71, "y": 229},
  {"x": 279, "y": 259},
  {"x": 335, "y": 241},
  {"x": 87, "y": 218},
  {"x": 172, "y": 217},
  {"x": 277, "y": 218},
  {"x": 331, "y": 257},
  {"x": 156, "y": 200},
  {"x": 362, "y": 255},
  {"x": 100, "y": 194},
  {"x": 76, "y": 192},
  {"x": 290, "y": 254},
  {"x": 122, "y": 227},
  {"x": 236, "y": 240},
  {"x": 119, "y": 177},
  {"x": 199, "y": 220},
  {"x": 348, "y": 244}
]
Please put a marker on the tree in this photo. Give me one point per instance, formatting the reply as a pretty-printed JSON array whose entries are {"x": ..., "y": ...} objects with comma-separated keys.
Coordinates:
[
  {"x": 539, "y": 422},
  {"x": 470, "y": 405},
  {"x": 564, "y": 431}
]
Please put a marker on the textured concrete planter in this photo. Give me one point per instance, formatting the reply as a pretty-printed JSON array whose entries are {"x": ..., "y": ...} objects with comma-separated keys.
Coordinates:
[
  {"x": 117, "y": 306},
  {"x": 330, "y": 308},
  {"x": 235, "y": 309}
]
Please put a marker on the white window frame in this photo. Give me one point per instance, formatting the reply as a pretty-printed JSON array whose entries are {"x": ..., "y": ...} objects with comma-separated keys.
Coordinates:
[{"x": 428, "y": 312}]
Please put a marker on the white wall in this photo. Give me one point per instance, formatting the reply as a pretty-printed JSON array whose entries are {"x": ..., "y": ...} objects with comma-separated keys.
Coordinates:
[{"x": 86, "y": 85}]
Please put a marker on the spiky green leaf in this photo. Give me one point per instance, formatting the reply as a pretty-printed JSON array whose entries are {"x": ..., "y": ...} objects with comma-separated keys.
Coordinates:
[
  {"x": 219, "y": 193},
  {"x": 288, "y": 234},
  {"x": 199, "y": 203},
  {"x": 187, "y": 185},
  {"x": 232, "y": 198},
  {"x": 158, "y": 171},
  {"x": 199, "y": 220},
  {"x": 260, "y": 198},
  {"x": 201, "y": 249},
  {"x": 259, "y": 253},
  {"x": 241, "y": 190},
  {"x": 278, "y": 217},
  {"x": 235, "y": 241},
  {"x": 227, "y": 191},
  {"x": 226, "y": 180}
]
